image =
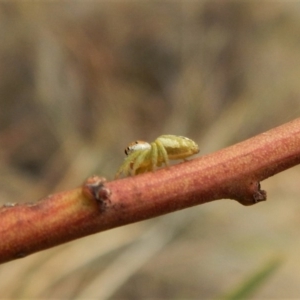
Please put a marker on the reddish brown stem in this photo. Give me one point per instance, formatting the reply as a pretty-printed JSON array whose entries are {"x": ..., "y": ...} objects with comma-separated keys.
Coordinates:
[{"x": 234, "y": 173}]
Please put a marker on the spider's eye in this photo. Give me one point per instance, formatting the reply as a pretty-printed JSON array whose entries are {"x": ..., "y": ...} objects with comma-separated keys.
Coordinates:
[{"x": 137, "y": 145}]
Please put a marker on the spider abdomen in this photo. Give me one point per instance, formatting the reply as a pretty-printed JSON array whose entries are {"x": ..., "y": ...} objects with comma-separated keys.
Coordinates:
[{"x": 178, "y": 147}]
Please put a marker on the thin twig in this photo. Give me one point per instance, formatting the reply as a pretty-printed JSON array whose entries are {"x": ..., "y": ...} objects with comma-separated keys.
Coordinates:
[{"x": 234, "y": 172}]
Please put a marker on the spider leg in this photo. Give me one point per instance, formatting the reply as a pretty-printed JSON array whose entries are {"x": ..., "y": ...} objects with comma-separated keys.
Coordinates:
[
  {"x": 163, "y": 155},
  {"x": 126, "y": 167},
  {"x": 123, "y": 168},
  {"x": 139, "y": 165},
  {"x": 153, "y": 156}
]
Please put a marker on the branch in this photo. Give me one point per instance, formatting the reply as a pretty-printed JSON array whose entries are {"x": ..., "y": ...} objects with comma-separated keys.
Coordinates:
[{"x": 234, "y": 173}]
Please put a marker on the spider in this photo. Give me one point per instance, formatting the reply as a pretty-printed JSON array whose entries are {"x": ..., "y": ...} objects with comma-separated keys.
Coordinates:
[{"x": 144, "y": 157}]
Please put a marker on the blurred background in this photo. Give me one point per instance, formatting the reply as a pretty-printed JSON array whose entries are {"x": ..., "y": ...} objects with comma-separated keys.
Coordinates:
[{"x": 82, "y": 79}]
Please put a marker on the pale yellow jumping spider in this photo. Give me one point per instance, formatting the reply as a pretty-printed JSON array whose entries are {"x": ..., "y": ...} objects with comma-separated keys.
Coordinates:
[{"x": 144, "y": 157}]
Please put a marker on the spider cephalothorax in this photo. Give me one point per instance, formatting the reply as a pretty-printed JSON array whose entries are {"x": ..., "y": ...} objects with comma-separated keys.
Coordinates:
[{"x": 143, "y": 157}]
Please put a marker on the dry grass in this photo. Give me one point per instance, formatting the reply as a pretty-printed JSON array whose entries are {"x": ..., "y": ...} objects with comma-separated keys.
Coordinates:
[{"x": 80, "y": 81}]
